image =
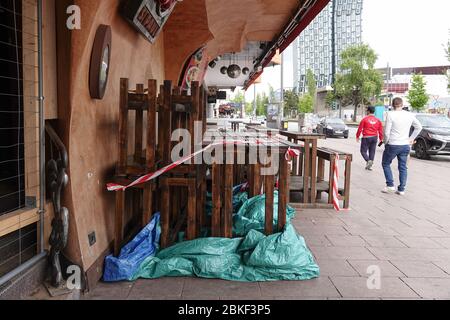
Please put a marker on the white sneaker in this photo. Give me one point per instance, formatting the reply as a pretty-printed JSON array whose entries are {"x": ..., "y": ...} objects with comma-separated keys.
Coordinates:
[
  {"x": 400, "y": 193},
  {"x": 390, "y": 190}
]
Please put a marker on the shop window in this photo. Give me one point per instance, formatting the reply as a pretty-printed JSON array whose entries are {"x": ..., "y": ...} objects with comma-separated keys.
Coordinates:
[{"x": 19, "y": 135}]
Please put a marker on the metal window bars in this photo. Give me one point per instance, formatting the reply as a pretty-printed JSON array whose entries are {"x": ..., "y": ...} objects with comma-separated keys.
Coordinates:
[{"x": 21, "y": 143}]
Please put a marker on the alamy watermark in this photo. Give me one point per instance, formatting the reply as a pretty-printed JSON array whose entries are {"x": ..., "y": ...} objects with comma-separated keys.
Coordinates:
[{"x": 216, "y": 148}]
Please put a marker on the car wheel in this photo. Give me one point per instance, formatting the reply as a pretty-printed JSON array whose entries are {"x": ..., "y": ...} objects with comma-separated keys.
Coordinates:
[{"x": 421, "y": 150}]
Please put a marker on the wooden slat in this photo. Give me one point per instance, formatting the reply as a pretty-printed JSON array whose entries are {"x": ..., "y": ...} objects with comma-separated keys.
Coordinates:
[
  {"x": 228, "y": 201},
  {"x": 165, "y": 213},
  {"x": 151, "y": 126},
  {"x": 118, "y": 221},
  {"x": 191, "y": 232},
  {"x": 306, "y": 171},
  {"x": 123, "y": 128},
  {"x": 283, "y": 192},
  {"x": 269, "y": 182},
  {"x": 313, "y": 171},
  {"x": 216, "y": 202},
  {"x": 348, "y": 173},
  {"x": 166, "y": 124},
  {"x": 139, "y": 127}
]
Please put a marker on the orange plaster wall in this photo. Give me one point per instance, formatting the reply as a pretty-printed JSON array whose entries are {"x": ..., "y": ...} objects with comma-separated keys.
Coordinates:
[
  {"x": 186, "y": 31},
  {"x": 91, "y": 125}
]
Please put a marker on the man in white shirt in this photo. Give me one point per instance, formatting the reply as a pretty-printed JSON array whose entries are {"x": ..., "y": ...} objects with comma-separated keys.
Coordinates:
[{"x": 398, "y": 144}]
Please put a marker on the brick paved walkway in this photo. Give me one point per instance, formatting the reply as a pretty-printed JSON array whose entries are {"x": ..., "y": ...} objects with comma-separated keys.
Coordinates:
[{"x": 408, "y": 238}]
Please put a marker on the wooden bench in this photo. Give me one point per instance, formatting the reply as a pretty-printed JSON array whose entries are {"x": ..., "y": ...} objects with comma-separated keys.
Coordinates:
[{"x": 322, "y": 185}]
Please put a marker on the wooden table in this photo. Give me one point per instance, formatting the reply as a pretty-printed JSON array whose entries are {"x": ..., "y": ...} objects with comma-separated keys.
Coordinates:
[
  {"x": 235, "y": 124},
  {"x": 307, "y": 165},
  {"x": 222, "y": 178}
]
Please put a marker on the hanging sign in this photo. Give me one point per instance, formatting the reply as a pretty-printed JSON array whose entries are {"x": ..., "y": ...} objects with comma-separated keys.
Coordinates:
[{"x": 148, "y": 16}]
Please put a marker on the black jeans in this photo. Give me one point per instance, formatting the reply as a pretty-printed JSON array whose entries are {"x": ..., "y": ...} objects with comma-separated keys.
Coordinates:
[{"x": 369, "y": 148}]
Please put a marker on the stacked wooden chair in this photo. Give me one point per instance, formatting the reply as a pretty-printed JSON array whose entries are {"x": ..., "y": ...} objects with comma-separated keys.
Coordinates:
[
  {"x": 180, "y": 110},
  {"x": 143, "y": 103}
]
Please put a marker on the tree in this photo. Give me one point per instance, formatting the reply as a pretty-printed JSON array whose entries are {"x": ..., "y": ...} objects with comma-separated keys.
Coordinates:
[
  {"x": 239, "y": 98},
  {"x": 261, "y": 104},
  {"x": 330, "y": 100},
  {"x": 417, "y": 95},
  {"x": 358, "y": 81},
  {"x": 306, "y": 104},
  {"x": 312, "y": 84},
  {"x": 290, "y": 102}
]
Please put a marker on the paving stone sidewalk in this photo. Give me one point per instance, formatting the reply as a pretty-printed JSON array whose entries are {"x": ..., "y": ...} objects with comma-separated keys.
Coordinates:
[{"x": 406, "y": 238}]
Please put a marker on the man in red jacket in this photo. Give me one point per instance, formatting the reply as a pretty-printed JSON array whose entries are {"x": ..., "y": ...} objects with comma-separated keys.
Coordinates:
[{"x": 371, "y": 129}]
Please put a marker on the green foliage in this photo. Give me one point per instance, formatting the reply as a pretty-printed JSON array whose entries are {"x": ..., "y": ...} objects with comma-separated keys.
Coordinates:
[
  {"x": 311, "y": 83},
  {"x": 239, "y": 98},
  {"x": 248, "y": 108},
  {"x": 358, "y": 81},
  {"x": 306, "y": 104},
  {"x": 271, "y": 94},
  {"x": 261, "y": 104},
  {"x": 330, "y": 100},
  {"x": 290, "y": 102},
  {"x": 417, "y": 96}
]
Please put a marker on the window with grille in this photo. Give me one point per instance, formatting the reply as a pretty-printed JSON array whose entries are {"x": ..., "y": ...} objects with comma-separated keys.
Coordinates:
[{"x": 19, "y": 132}]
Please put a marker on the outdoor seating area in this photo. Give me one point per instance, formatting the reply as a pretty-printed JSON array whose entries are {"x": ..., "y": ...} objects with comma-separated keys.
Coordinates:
[
  {"x": 179, "y": 193},
  {"x": 310, "y": 167}
]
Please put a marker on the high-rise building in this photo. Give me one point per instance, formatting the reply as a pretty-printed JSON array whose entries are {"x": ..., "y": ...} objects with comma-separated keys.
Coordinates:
[{"x": 320, "y": 45}]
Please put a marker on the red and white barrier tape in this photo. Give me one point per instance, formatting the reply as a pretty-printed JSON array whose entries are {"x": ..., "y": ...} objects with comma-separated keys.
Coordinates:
[
  {"x": 156, "y": 174},
  {"x": 335, "y": 190}
]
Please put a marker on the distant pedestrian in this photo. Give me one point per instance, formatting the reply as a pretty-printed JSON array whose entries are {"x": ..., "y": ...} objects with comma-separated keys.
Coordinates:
[
  {"x": 371, "y": 129},
  {"x": 398, "y": 142}
]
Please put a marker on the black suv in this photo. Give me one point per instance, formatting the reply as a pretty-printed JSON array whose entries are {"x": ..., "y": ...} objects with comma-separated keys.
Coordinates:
[{"x": 435, "y": 136}]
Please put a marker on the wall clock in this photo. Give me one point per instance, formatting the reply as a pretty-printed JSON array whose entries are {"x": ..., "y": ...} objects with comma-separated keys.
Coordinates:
[{"x": 100, "y": 62}]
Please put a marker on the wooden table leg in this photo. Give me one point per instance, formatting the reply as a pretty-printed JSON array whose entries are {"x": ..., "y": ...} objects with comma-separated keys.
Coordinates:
[
  {"x": 257, "y": 180},
  {"x": 227, "y": 213},
  {"x": 313, "y": 171},
  {"x": 306, "y": 171},
  {"x": 331, "y": 180},
  {"x": 348, "y": 173},
  {"x": 269, "y": 182},
  {"x": 118, "y": 223},
  {"x": 165, "y": 212},
  {"x": 191, "y": 211},
  {"x": 216, "y": 203},
  {"x": 148, "y": 204},
  {"x": 283, "y": 192}
]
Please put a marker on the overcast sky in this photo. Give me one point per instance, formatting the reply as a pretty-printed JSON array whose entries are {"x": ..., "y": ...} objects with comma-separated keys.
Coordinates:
[{"x": 404, "y": 33}]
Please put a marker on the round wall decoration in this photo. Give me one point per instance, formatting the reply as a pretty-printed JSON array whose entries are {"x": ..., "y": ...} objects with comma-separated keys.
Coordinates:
[{"x": 100, "y": 62}]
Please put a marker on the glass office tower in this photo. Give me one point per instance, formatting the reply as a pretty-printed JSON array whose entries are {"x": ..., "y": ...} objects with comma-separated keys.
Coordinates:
[{"x": 319, "y": 47}]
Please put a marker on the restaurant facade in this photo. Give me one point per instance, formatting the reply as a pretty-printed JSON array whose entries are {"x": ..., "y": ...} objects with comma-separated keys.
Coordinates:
[{"x": 62, "y": 64}]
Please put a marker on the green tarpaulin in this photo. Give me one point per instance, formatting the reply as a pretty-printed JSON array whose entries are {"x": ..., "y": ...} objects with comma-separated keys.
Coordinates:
[
  {"x": 256, "y": 257},
  {"x": 252, "y": 257}
]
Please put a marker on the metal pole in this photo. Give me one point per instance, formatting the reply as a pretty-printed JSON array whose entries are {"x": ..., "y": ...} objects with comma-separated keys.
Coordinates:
[
  {"x": 41, "y": 130},
  {"x": 281, "y": 111},
  {"x": 333, "y": 43},
  {"x": 254, "y": 100},
  {"x": 23, "y": 267}
]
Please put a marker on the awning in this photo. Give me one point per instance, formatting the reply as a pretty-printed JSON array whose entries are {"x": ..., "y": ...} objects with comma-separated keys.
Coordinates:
[{"x": 304, "y": 16}]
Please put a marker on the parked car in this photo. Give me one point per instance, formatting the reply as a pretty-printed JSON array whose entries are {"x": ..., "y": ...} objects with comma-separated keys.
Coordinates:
[
  {"x": 435, "y": 136},
  {"x": 333, "y": 127}
]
